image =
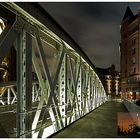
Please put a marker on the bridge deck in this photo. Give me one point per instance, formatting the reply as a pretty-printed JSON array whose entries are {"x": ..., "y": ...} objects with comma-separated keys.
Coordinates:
[{"x": 100, "y": 123}]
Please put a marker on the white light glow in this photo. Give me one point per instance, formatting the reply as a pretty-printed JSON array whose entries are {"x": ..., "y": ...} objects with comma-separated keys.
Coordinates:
[
  {"x": 2, "y": 26},
  {"x": 48, "y": 131},
  {"x": 35, "y": 135}
]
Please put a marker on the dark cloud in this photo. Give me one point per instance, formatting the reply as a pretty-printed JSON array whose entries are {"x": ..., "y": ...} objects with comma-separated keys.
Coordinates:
[{"x": 95, "y": 26}]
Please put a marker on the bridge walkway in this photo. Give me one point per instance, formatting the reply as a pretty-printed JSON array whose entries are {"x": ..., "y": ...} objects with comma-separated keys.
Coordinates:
[{"x": 100, "y": 123}]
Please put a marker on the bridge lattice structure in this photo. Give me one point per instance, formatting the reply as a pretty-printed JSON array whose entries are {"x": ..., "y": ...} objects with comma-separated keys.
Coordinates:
[{"x": 65, "y": 88}]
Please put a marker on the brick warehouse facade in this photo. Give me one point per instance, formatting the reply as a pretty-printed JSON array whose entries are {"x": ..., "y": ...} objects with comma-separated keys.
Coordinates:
[
  {"x": 130, "y": 55},
  {"x": 110, "y": 80}
]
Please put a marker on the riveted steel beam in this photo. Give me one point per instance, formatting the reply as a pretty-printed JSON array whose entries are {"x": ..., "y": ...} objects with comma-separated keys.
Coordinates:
[{"x": 24, "y": 84}]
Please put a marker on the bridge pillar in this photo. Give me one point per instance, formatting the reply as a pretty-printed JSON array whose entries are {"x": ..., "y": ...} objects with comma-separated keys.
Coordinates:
[
  {"x": 79, "y": 90},
  {"x": 24, "y": 84},
  {"x": 63, "y": 90}
]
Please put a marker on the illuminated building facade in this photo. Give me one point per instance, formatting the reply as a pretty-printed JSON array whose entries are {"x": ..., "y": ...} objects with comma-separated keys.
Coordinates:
[
  {"x": 110, "y": 79},
  {"x": 8, "y": 66},
  {"x": 130, "y": 55}
]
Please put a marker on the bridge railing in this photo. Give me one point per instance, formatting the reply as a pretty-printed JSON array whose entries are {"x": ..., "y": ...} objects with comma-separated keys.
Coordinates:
[
  {"x": 131, "y": 106},
  {"x": 67, "y": 85},
  {"x": 8, "y": 93}
]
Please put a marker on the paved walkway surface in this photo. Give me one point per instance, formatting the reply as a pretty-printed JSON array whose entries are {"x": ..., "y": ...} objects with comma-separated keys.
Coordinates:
[{"x": 100, "y": 123}]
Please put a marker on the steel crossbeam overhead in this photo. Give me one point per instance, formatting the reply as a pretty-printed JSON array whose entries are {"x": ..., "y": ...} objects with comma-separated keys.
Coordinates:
[{"x": 66, "y": 86}]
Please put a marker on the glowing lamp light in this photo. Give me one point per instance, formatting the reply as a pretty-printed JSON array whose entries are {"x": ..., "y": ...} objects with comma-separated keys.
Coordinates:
[
  {"x": 0, "y": 30},
  {"x": 130, "y": 92},
  {"x": 2, "y": 26}
]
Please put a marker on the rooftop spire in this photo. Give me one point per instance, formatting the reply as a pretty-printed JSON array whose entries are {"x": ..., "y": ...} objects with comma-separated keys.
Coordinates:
[{"x": 128, "y": 13}]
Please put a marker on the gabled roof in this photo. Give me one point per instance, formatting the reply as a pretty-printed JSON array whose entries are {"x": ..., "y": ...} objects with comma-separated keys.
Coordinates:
[{"x": 128, "y": 13}]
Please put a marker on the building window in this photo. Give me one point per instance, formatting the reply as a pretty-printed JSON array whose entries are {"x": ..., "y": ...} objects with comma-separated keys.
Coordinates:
[
  {"x": 133, "y": 51},
  {"x": 134, "y": 70},
  {"x": 125, "y": 35},
  {"x": 133, "y": 60},
  {"x": 133, "y": 42},
  {"x": 126, "y": 44}
]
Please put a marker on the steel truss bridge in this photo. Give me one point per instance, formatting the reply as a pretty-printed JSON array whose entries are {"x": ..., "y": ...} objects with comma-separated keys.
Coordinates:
[{"x": 66, "y": 86}]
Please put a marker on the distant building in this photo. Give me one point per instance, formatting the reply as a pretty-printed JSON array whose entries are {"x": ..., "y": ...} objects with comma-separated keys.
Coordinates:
[
  {"x": 130, "y": 54},
  {"x": 8, "y": 65},
  {"x": 110, "y": 79}
]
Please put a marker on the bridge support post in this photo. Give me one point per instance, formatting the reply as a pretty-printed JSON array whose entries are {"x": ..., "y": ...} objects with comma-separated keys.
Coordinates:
[
  {"x": 8, "y": 96},
  {"x": 24, "y": 84},
  {"x": 63, "y": 90},
  {"x": 79, "y": 90},
  {"x": 95, "y": 92},
  {"x": 89, "y": 92}
]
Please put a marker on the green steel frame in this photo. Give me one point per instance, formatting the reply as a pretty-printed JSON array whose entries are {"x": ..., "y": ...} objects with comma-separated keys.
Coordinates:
[{"x": 74, "y": 89}]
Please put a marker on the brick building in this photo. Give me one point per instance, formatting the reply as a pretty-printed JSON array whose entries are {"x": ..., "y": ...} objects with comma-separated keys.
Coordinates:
[
  {"x": 110, "y": 79},
  {"x": 130, "y": 54}
]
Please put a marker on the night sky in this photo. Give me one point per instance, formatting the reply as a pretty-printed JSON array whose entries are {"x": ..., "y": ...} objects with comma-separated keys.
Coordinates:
[{"x": 95, "y": 26}]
